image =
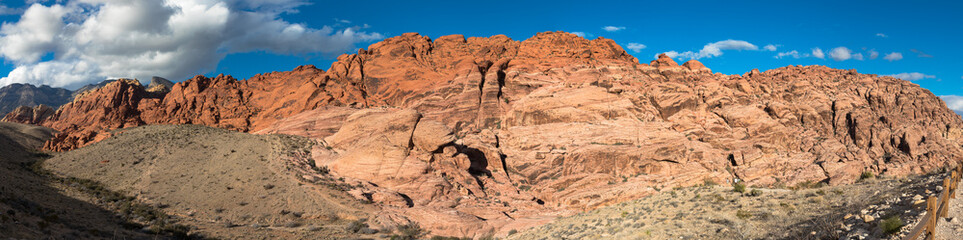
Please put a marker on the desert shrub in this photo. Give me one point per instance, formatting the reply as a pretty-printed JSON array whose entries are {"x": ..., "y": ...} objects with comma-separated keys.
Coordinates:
[
  {"x": 512, "y": 232},
  {"x": 866, "y": 175},
  {"x": 356, "y": 226},
  {"x": 739, "y": 187},
  {"x": 891, "y": 225},
  {"x": 409, "y": 231},
  {"x": 755, "y": 193},
  {"x": 709, "y": 182},
  {"x": 743, "y": 214}
]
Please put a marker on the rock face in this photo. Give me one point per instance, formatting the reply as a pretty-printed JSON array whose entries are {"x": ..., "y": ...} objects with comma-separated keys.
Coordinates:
[
  {"x": 28, "y": 115},
  {"x": 15, "y": 95},
  {"x": 471, "y": 135}
]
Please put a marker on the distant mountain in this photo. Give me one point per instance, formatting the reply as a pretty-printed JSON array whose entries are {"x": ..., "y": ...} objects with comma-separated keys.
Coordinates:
[
  {"x": 90, "y": 87},
  {"x": 17, "y": 94}
]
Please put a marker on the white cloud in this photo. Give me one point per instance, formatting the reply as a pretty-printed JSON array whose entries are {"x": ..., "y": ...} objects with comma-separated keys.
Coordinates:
[
  {"x": 912, "y": 76},
  {"x": 793, "y": 54},
  {"x": 770, "y": 47},
  {"x": 4, "y": 10},
  {"x": 953, "y": 102},
  {"x": 613, "y": 28},
  {"x": 882, "y": 35},
  {"x": 84, "y": 41},
  {"x": 636, "y": 47},
  {"x": 841, "y": 54},
  {"x": 873, "y": 54},
  {"x": 818, "y": 53},
  {"x": 858, "y": 56},
  {"x": 714, "y": 49},
  {"x": 893, "y": 56},
  {"x": 580, "y": 34}
]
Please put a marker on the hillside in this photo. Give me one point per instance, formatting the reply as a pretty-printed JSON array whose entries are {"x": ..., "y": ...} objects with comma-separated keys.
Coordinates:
[
  {"x": 227, "y": 184},
  {"x": 33, "y": 207},
  {"x": 479, "y": 136}
]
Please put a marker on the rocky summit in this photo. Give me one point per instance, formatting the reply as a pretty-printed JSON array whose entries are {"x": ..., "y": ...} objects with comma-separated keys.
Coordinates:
[{"x": 480, "y": 135}]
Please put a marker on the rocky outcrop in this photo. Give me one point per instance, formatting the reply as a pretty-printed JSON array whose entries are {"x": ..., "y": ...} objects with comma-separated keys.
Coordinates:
[
  {"x": 29, "y": 115},
  {"x": 496, "y": 134},
  {"x": 16, "y": 95},
  {"x": 159, "y": 84}
]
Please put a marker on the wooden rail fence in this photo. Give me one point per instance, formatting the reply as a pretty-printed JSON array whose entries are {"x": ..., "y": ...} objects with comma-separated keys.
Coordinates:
[{"x": 937, "y": 207}]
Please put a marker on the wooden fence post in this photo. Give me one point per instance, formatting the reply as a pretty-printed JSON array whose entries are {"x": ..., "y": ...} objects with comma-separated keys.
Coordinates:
[
  {"x": 931, "y": 223},
  {"x": 945, "y": 198}
]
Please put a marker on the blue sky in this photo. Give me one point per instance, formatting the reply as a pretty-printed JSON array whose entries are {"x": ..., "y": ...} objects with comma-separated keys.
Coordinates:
[{"x": 926, "y": 34}]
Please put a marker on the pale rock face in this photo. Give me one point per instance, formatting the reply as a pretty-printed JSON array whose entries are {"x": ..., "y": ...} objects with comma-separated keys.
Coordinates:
[{"x": 468, "y": 136}]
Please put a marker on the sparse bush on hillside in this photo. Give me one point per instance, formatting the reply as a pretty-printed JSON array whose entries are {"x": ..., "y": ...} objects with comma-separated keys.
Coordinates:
[
  {"x": 743, "y": 214},
  {"x": 891, "y": 225},
  {"x": 709, "y": 182},
  {"x": 755, "y": 193},
  {"x": 866, "y": 175},
  {"x": 739, "y": 187},
  {"x": 409, "y": 231}
]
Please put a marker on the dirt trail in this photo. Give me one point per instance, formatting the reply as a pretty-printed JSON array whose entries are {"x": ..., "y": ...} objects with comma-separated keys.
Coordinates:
[{"x": 951, "y": 227}]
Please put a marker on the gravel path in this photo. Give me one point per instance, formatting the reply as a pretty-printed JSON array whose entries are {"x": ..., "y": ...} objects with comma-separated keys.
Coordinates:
[{"x": 951, "y": 227}]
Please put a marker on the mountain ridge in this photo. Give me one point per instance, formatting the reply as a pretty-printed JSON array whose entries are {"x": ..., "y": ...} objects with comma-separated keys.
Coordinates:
[{"x": 552, "y": 124}]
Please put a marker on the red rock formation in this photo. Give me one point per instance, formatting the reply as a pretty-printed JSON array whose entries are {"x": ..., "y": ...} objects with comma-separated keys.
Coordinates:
[
  {"x": 550, "y": 124},
  {"x": 29, "y": 115}
]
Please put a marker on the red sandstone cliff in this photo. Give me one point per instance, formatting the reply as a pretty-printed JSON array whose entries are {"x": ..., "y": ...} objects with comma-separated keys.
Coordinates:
[{"x": 551, "y": 123}]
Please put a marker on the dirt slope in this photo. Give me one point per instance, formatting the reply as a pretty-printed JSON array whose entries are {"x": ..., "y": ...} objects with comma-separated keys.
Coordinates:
[
  {"x": 32, "y": 207},
  {"x": 228, "y": 184}
]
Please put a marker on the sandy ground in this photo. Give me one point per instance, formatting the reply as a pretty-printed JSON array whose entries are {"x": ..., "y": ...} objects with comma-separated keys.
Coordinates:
[
  {"x": 226, "y": 184},
  {"x": 717, "y": 212},
  {"x": 951, "y": 227}
]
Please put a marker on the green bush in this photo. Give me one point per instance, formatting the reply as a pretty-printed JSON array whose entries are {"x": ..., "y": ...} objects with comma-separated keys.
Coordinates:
[
  {"x": 891, "y": 225},
  {"x": 739, "y": 187},
  {"x": 866, "y": 175},
  {"x": 743, "y": 214}
]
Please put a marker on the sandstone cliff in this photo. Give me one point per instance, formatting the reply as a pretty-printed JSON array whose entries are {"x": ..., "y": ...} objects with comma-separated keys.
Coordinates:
[{"x": 547, "y": 125}]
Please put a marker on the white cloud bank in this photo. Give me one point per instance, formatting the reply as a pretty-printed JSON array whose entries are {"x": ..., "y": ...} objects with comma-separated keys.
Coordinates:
[
  {"x": 713, "y": 49},
  {"x": 84, "y": 41},
  {"x": 953, "y": 102},
  {"x": 911, "y": 76}
]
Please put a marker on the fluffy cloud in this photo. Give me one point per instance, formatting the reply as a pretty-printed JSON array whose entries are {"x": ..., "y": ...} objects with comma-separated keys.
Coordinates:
[
  {"x": 714, "y": 49},
  {"x": 841, "y": 54},
  {"x": 636, "y": 47},
  {"x": 873, "y": 54},
  {"x": 882, "y": 35},
  {"x": 818, "y": 53},
  {"x": 84, "y": 41},
  {"x": 893, "y": 56},
  {"x": 911, "y": 76},
  {"x": 613, "y": 28},
  {"x": 858, "y": 56},
  {"x": 770, "y": 47},
  {"x": 953, "y": 102},
  {"x": 580, "y": 34}
]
